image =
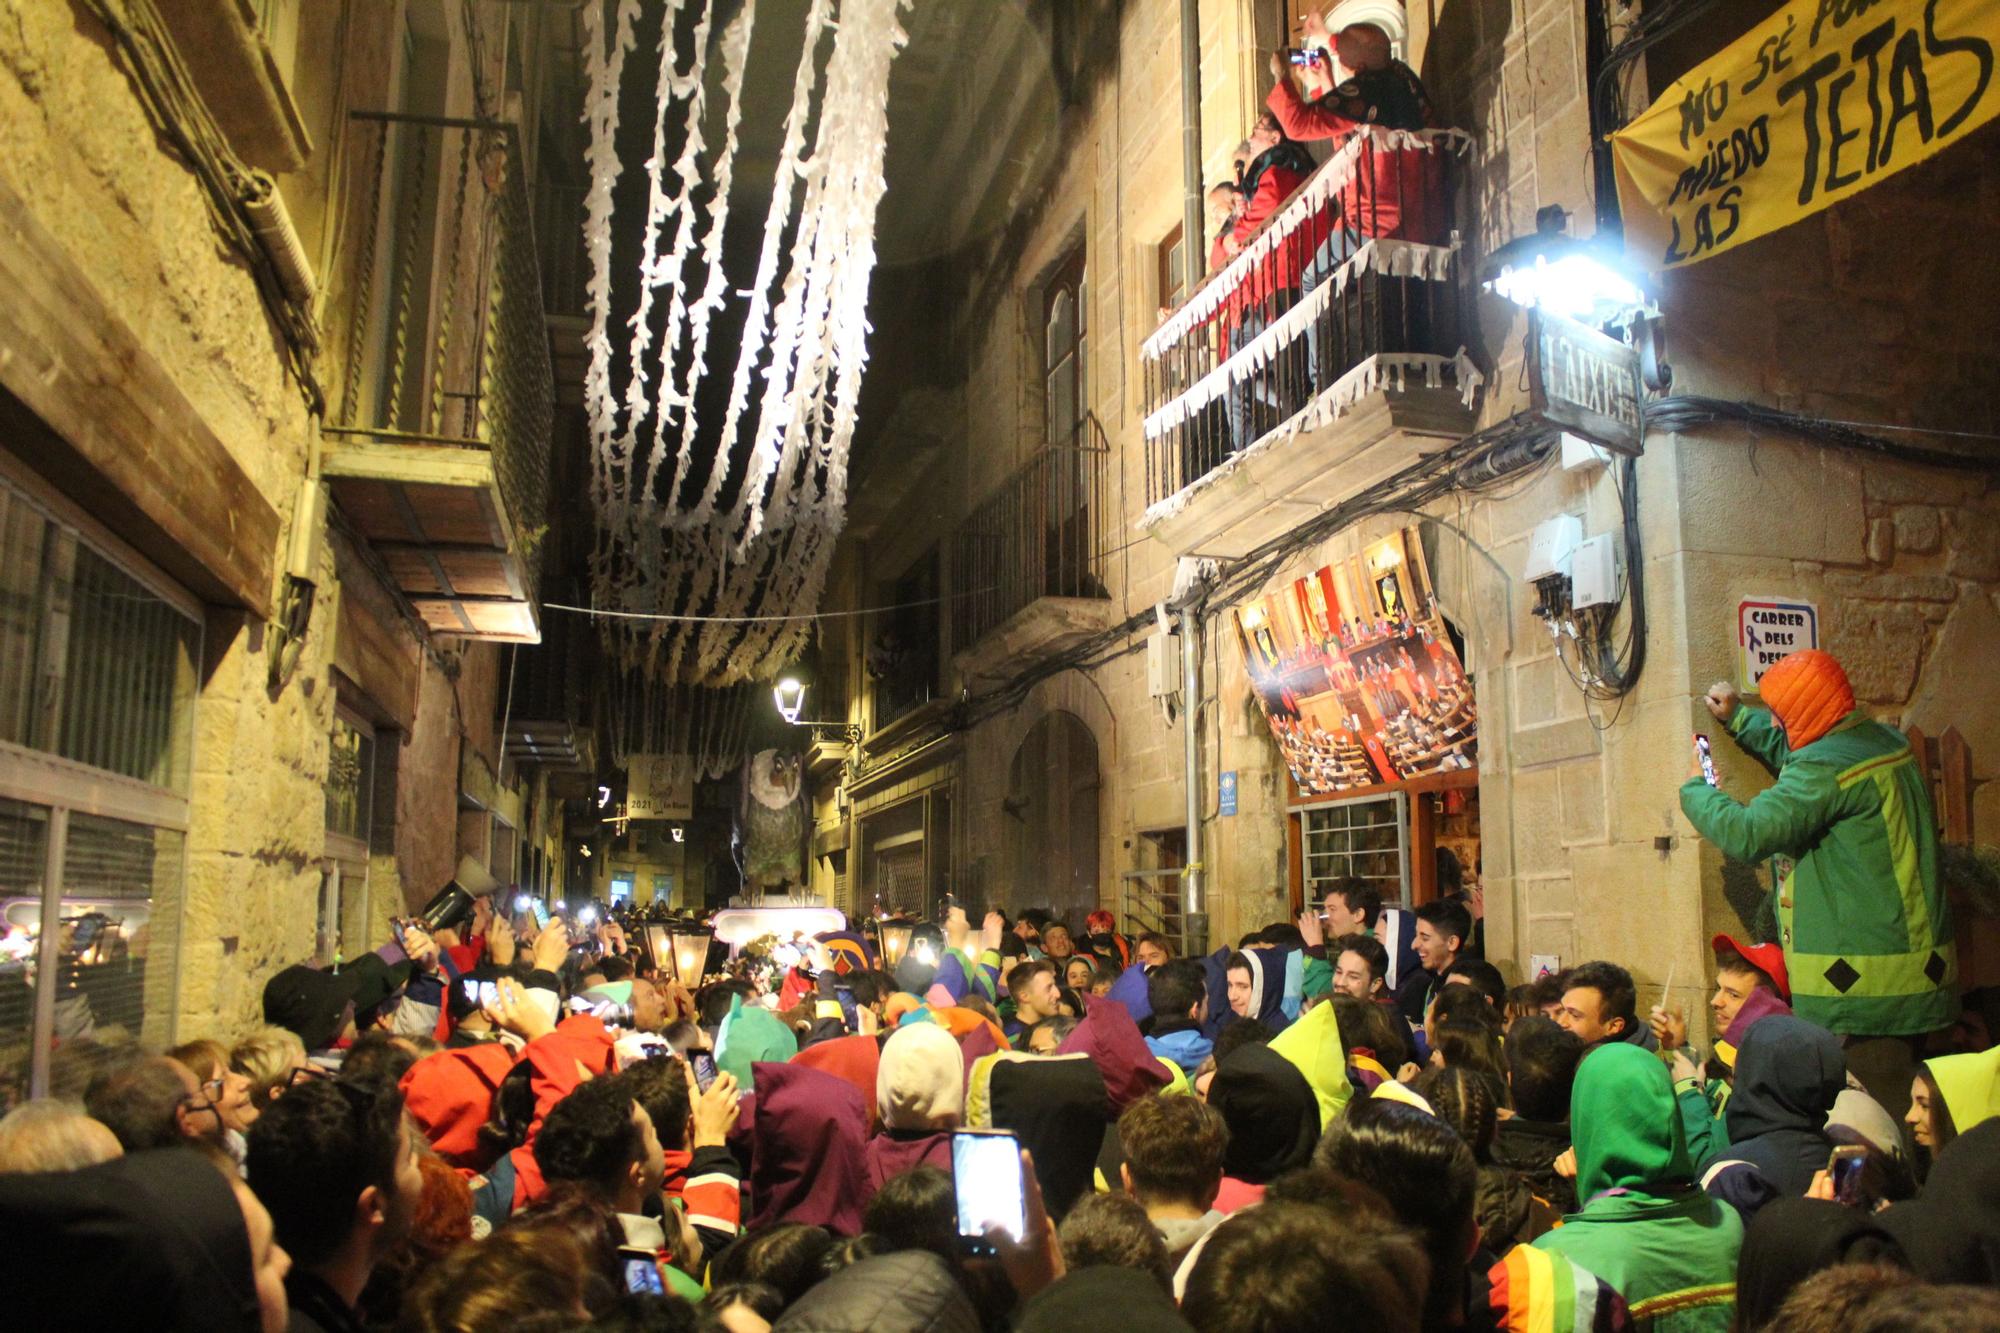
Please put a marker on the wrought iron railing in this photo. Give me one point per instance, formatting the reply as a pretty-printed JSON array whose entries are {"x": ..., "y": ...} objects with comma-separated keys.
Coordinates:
[
  {"x": 445, "y": 342},
  {"x": 1041, "y": 534},
  {"x": 1351, "y": 281}
]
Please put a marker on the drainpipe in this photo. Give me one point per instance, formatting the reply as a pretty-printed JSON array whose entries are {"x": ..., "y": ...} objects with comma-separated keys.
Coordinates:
[
  {"x": 1194, "y": 248},
  {"x": 1194, "y": 906}
]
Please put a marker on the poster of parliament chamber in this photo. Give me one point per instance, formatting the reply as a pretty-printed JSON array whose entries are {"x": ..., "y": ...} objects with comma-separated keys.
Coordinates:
[{"x": 1357, "y": 674}]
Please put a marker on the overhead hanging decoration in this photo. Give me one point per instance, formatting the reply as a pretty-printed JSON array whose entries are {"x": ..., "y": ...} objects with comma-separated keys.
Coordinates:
[{"x": 742, "y": 522}]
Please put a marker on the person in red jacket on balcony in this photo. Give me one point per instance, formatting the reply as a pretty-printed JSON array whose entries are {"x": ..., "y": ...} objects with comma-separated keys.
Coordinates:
[
  {"x": 1392, "y": 192},
  {"x": 1263, "y": 293}
]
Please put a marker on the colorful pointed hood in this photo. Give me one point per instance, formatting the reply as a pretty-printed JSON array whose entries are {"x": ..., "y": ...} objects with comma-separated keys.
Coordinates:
[
  {"x": 1809, "y": 693},
  {"x": 809, "y": 1132},
  {"x": 751, "y": 1035},
  {"x": 1313, "y": 1044},
  {"x": 1625, "y": 1126},
  {"x": 1112, "y": 1041},
  {"x": 1970, "y": 1086}
]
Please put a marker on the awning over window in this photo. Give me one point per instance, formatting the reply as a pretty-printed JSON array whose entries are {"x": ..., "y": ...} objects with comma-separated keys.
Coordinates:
[{"x": 1817, "y": 103}]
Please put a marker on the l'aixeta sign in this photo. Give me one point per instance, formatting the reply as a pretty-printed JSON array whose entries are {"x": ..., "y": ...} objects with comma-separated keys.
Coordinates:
[{"x": 1585, "y": 381}]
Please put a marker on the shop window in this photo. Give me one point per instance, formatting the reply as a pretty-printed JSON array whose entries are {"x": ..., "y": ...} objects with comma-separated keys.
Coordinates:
[
  {"x": 98, "y": 670},
  {"x": 1367, "y": 838},
  {"x": 621, "y": 890}
]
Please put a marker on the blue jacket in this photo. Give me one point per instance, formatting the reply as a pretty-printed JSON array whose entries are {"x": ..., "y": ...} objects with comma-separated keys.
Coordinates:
[{"x": 1186, "y": 1048}]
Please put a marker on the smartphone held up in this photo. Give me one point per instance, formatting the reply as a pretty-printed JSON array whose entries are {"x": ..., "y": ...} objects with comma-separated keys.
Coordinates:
[
  {"x": 987, "y": 1184},
  {"x": 1706, "y": 759}
]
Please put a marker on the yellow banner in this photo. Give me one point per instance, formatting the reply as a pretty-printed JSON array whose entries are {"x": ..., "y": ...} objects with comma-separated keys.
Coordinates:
[{"x": 1819, "y": 102}]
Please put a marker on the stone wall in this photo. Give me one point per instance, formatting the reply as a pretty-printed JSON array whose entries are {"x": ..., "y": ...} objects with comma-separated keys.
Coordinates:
[{"x": 77, "y": 148}]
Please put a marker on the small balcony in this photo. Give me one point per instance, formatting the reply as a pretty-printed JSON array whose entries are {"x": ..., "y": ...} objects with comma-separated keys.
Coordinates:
[
  {"x": 1319, "y": 361},
  {"x": 1029, "y": 562},
  {"x": 437, "y": 447}
]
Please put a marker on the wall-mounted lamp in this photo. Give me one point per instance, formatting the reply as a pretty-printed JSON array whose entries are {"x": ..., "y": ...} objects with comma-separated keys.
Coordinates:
[
  {"x": 1587, "y": 281},
  {"x": 790, "y": 696}
]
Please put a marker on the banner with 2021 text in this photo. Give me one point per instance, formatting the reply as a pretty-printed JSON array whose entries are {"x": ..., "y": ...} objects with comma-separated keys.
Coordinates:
[{"x": 1817, "y": 103}]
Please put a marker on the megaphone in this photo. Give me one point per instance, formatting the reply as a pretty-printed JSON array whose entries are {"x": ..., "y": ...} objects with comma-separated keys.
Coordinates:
[{"x": 451, "y": 906}]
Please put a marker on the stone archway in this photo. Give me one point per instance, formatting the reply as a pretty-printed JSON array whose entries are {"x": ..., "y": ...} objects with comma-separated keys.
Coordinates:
[{"x": 1051, "y": 817}]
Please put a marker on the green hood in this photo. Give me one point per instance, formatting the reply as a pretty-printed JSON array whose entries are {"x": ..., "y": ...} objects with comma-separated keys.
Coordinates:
[
  {"x": 752, "y": 1034},
  {"x": 1969, "y": 1084},
  {"x": 1624, "y": 1125}
]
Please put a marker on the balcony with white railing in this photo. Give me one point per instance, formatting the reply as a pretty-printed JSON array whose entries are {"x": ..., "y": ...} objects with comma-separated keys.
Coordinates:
[{"x": 1320, "y": 359}]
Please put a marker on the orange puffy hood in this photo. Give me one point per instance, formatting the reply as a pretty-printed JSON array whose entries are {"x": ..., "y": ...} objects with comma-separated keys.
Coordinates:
[{"x": 1809, "y": 693}]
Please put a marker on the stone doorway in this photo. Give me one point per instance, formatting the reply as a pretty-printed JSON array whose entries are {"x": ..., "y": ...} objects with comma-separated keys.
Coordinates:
[{"x": 1051, "y": 819}]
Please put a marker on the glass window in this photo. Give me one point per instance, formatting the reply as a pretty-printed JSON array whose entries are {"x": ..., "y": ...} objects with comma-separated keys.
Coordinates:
[
  {"x": 1063, "y": 348},
  {"x": 350, "y": 779},
  {"x": 98, "y": 673},
  {"x": 95, "y": 666},
  {"x": 1366, "y": 838},
  {"x": 116, "y": 902}
]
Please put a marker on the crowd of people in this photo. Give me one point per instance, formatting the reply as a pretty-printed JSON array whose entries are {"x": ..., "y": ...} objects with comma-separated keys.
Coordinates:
[
  {"x": 1349, "y": 1119},
  {"x": 519, "y": 1128}
]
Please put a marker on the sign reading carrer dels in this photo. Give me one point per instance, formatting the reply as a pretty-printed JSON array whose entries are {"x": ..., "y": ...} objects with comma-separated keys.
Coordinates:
[
  {"x": 1768, "y": 628},
  {"x": 1816, "y": 103}
]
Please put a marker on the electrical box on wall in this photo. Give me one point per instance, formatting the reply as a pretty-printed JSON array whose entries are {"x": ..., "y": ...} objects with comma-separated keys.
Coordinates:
[
  {"x": 1163, "y": 664},
  {"x": 1593, "y": 573},
  {"x": 1550, "y": 547}
]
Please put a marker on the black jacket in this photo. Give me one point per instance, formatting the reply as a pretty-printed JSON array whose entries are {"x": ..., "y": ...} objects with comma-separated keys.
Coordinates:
[
  {"x": 1530, "y": 1148},
  {"x": 910, "y": 1291},
  {"x": 156, "y": 1239}
]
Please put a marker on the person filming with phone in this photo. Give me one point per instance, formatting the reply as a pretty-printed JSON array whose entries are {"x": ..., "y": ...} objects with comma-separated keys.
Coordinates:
[{"x": 1866, "y": 929}]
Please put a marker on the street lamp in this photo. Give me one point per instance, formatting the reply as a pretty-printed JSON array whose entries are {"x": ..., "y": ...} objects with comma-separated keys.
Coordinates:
[
  {"x": 1586, "y": 281},
  {"x": 896, "y": 933},
  {"x": 790, "y": 696},
  {"x": 691, "y": 940}
]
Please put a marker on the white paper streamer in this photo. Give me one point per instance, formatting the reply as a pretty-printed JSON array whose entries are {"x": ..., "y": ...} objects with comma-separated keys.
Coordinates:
[{"x": 659, "y": 548}]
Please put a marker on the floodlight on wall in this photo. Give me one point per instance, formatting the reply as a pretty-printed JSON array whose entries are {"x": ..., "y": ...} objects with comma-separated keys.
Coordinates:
[
  {"x": 690, "y": 940},
  {"x": 1586, "y": 281}
]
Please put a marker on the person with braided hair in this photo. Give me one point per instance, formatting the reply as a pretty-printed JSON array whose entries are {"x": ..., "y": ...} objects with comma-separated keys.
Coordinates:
[{"x": 1506, "y": 1207}]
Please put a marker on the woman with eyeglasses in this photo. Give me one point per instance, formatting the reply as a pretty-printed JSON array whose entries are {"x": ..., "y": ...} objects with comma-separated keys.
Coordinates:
[{"x": 223, "y": 1087}]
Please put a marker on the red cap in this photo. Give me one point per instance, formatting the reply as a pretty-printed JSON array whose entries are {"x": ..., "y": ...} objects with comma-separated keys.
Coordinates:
[{"x": 1769, "y": 958}]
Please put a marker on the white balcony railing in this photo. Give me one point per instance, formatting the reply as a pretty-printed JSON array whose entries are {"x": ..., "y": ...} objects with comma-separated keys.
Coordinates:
[{"x": 1351, "y": 286}]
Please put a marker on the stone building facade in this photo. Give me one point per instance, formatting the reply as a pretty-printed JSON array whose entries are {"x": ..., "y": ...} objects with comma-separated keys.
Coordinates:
[
  {"x": 169, "y": 404},
  {"x": 1868, "y": 313}
]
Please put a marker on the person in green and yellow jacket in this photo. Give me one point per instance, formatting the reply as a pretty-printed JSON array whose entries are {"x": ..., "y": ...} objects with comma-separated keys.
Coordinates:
[
  {"x": 1645, "y": 1227},
  {"x": 1865, "y": 926}
]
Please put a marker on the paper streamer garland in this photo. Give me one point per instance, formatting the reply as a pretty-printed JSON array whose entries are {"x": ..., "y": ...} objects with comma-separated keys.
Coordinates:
[{"x": 666, "y": 544}]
